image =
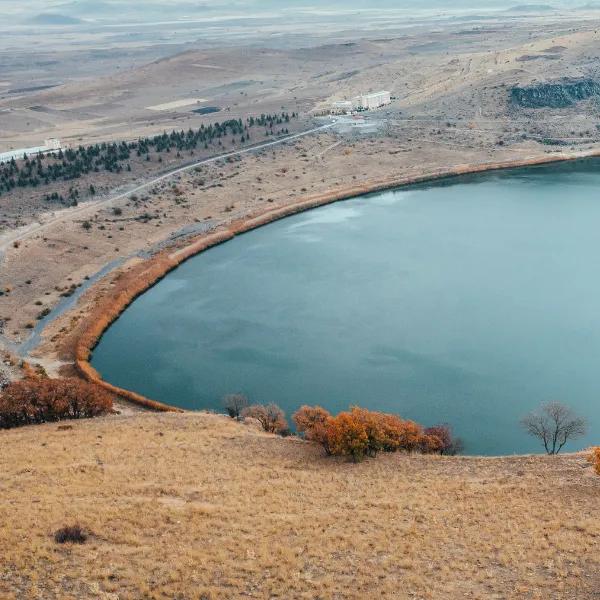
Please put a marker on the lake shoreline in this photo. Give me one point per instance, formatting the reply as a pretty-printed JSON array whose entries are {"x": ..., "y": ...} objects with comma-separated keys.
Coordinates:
[{"x": 130, "y": 285}]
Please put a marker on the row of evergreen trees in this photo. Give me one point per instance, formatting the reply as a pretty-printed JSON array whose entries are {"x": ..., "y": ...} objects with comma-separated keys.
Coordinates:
[{"x": 73, "y": 163}]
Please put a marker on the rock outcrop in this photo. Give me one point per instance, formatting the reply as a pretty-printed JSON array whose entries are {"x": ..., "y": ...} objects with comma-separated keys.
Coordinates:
[{"x": 560, "y": 94}]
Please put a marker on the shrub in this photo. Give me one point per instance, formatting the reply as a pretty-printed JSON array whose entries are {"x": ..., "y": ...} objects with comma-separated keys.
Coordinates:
[
  {"x": 360, "y": 432},
  {"x": 234, "y": 404},
  {"x": 431, "y": 444},
  {"x": 41, "y": 400},
  {"x": 347, "y": 436},
  {"x": 73, "y": 534},
  {"x": 270, "y": 416},
  {"x": 43, "y": 313},
  {"x": 383, "y": 432},
  {"x": 374, "y": 426},
  {"x": 390, "y": 433},
  {"x": 311, "y": 423},
  {"x": 306, "y": 418},
  {"x": 441, "y": 439}
]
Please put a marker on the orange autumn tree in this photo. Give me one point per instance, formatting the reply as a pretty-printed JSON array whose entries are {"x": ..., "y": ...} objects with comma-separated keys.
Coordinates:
[
  {"x": 311, "y": 422},
  {"x": 594, "y": 459},
  {"x": 402, "y": 434},
  {"x": 387, "y": 432},
  {"x": 360, "y": 432},
  {"x": 347, "y": 436},
  {"x": 41, "y": 400}
]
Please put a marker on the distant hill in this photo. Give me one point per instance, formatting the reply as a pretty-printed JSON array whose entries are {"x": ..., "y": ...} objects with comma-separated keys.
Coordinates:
[
  {"x": 530, "y": 8},
  {"x": 53, "y": 19},
  {"x": 92, "y": 8}
]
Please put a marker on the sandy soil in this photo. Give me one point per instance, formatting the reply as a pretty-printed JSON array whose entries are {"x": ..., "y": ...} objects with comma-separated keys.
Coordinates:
[{"x": 198, "y": 506}]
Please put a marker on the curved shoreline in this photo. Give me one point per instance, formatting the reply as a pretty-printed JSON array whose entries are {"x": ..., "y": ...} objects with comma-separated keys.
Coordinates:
[{"x": 139, "y": 279}]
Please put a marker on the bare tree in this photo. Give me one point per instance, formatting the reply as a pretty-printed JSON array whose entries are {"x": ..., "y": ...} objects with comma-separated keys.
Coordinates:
[
  {"x": 270, "y": 416},
  {"x": 234, "y": 404},
  {"x": 554, "y": 424}
]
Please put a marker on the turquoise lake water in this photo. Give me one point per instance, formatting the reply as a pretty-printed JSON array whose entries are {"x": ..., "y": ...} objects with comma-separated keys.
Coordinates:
[{"x": 469, "y": 301}]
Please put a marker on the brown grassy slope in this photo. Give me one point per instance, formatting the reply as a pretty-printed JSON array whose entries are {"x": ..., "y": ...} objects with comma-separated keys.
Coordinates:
[{"x": 197, "y": 506}]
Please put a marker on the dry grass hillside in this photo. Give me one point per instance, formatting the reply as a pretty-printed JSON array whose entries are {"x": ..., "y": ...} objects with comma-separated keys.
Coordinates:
[{"x": 190, "y": 506}]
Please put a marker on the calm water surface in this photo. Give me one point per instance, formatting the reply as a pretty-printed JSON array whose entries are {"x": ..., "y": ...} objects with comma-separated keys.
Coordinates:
[{"x": 468, "y": 302}]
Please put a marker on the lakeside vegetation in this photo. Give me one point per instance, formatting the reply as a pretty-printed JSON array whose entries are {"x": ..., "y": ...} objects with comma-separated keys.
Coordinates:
[
  {"x": 37, "y": 399},
  {"x": 356, "y": 434},
  {"x": 360, "y": 433}
]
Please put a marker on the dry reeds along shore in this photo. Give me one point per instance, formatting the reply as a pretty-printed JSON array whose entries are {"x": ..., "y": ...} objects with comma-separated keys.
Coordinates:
[{"x": 128, "y": 287}]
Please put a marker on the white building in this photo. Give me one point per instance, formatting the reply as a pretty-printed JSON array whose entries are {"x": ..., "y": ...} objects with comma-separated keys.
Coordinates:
[
  {"x": 341, "y": 107},
  {"x": 50, "y": 145},
  {"x": 373, "y": 100}
]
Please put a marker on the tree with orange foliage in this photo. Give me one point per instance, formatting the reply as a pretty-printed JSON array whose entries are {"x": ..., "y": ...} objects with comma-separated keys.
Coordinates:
[
  {"x": 41, "y": 400},
  {"x": 347, "y": 436},
  {"x": 594, "y": 458},
  {"x": 360, "y": 432},
  {"x": 410, "y": 435},
  {"x": 270, "y": 416},
  {"x": 391, "y": 427},
  {"x": 311, "y": 422},
  {"x": 373, "y": 423}
]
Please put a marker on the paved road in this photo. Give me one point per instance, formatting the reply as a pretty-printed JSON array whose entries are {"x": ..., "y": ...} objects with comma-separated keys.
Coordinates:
[{"x": 22, "y": 233}]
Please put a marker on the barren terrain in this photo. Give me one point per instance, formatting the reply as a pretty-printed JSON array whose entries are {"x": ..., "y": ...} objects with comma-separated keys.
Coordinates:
[{"x": 454, "y": 72}]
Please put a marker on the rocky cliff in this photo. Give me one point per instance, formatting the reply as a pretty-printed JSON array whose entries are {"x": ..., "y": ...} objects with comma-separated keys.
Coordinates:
[{"x": 558, "y": 94}]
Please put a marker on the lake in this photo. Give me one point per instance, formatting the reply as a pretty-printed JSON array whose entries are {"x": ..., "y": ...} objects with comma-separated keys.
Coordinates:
[{"x": 468, "y": 301}]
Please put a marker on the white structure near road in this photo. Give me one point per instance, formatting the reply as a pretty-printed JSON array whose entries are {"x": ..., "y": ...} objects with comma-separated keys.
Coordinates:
[
  {"x": 50, "y": 145},
  {"x": 373, "y": 100},
  {"x": 342, "y": 107},
  {"x": 369, "y": 101}
]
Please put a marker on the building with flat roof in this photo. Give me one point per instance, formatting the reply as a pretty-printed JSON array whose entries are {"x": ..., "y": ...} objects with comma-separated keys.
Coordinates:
[
  {"x": 342, "y": 107},
  {"x": 50, "y": 145},
  {"x": 373, "y": 100},
  {"x": 369, "y": 101}
]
